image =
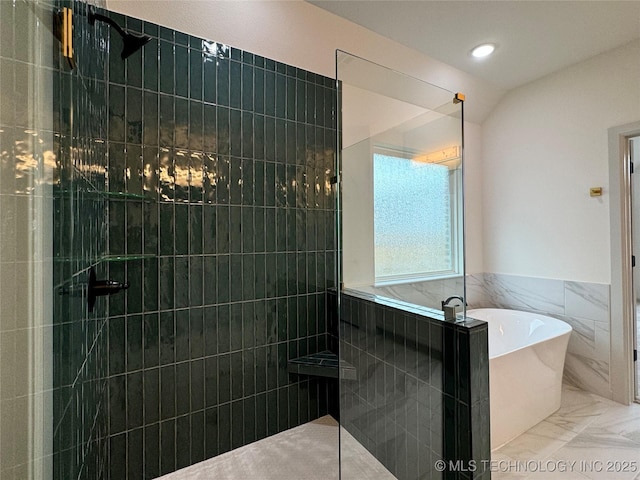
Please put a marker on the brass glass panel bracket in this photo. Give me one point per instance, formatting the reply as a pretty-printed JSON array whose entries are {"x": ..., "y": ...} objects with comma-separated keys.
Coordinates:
[{"x": 63, "y": 30}]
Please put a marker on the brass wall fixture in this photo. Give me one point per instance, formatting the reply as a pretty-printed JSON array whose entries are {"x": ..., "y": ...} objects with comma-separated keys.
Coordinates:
[
  {"x": 63, "y": 30},
  {"x": 595, "y": 191}
]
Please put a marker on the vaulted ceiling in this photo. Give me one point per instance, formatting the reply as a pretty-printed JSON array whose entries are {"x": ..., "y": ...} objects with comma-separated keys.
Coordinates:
[{"x": 533, "y": 38}]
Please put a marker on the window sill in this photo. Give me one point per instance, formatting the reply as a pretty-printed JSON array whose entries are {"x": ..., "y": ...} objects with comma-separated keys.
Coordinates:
[{"x": 402, "y": 281}]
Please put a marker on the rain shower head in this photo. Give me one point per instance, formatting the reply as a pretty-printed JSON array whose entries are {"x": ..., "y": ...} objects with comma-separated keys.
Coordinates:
[{"x": 131, "y": 42}]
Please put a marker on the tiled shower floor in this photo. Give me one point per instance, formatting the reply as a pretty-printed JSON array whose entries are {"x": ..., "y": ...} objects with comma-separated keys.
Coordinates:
[{"x": 307, "y": 452}]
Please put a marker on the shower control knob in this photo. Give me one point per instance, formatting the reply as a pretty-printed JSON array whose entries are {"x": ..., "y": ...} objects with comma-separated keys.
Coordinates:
[
  {"x": 99, "y": 288},
  {"x": 108, "y": 287}
]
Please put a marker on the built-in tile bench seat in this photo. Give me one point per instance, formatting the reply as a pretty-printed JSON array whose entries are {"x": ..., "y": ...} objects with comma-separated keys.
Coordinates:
[{"x": 322, "y": 364}]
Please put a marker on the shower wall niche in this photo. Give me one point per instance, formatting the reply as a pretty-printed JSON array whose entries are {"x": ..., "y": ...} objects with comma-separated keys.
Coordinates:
[{"x": 202, "y": 180}]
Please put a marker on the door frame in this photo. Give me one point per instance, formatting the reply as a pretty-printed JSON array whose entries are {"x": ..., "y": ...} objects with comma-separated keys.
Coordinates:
[{"x": 622, "y": 365}]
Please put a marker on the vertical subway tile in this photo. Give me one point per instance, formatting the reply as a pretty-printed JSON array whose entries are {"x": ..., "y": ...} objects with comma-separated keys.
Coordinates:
[
  {"x": 195, "y": 73},
  {"x": 247, "y": 229},
  {"x": 222, "y": 130},
  {"x": 182, "y": 344},
  {"x": 166, "y": 59},
  {"x": 151, "y": 395},
  {"x": 210, "y": 134},
  {"x": 223, "y": 276},
  {"x": 209, "y": 79},
  {"x": 166, "y": 283},
  {"x": 167, "y": 121},
  {"x": 197, "y": 439},
  {"x": 183, "y": 388},
  {"x": 167, "y": 446},
  {"x": 134, "y": 406},
  {"x": 117, "y": 336},
  {"x": 224, "y": 328},
  {"x": 237, "y": 424},
  {"x": 150, "y": 63},
  {"x": 133, "y": 123},
  {"x": 248, "y": 372},
  {"x": 224, "y": 378},
  {"x": 211, "y": 381},
  {"x": 117, "y": 451},
  {"x": 196, "y": 333},
  {"x": 152, "y": 450},
  {"x": 167, "y": 338},
  {"x": 248, "y": 138},
  {"x": 150, "y": 284},
  {"x": 117, "y": 404},
  {"x": 211, "y": 432},
  {"x": 235, "y": 132},
  {"x": 210, "y": 325},
  {"x": 181, "y": 229},
  {"x": 247, "y": 182},
  {"x": 222, "y": 82},
  {"x": 235, "y": 327},
  {"x": 181, "y": 58},
  {"x": 134, "y": 342},
  {"x": 235, "y": 84},
  {"x": 151, "y": 340},
  {"x": 167, "y": 392},
  {"x": 181, "y": 126}
]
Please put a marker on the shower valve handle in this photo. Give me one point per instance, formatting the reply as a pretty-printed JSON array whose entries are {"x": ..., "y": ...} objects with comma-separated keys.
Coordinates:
[
  {"x": 99, "y": 288},
  {"x": 108, "y": 287}
]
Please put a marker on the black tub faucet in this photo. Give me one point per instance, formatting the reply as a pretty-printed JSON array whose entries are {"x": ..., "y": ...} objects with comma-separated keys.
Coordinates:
[{"x": 450, "y": 310}]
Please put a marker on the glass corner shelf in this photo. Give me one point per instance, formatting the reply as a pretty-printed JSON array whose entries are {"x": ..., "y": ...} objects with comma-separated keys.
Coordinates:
[
  {"x": 126, "y": 258},
  {"x": 108, "y": 195},
  {"x": 127, "y": 196}
]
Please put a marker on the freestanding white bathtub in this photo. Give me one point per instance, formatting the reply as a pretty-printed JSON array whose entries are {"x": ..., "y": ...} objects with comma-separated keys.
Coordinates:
[{"x": 526, "y": 360}]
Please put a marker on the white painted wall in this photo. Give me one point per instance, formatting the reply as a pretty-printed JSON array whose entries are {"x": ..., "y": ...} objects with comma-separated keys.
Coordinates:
[
  {"x": 357, "y": 215},
  {"x": 473, "y": 192},
  {"x": 544, "y": 145}
]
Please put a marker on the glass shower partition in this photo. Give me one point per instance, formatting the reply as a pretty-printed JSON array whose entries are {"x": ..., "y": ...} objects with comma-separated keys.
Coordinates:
[
  {"x": 27, "y": 165},
  {"x": 402, "y": 245}
]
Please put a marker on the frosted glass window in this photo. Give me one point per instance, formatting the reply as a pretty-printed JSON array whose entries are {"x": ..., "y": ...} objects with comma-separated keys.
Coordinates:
[{"x": 413, "y": 224}]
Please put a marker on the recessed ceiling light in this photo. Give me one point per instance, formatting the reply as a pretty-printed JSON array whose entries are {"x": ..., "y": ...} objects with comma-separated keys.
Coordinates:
[{"x": 483, "y": 50}]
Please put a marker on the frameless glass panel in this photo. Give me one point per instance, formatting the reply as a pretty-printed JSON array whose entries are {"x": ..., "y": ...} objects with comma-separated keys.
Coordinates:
[
  {"x": 401, "y": 185},
  {"x": 27, "y": 162},
  {"x": 401, "y": 233}
]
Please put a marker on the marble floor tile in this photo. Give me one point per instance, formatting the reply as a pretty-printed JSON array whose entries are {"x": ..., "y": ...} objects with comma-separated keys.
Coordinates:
[
  {"x": 578, "y": 409},
  {"x": 620, "y": 420},
  {"x": 589, "y": 437},
  {"x": 538, "y": 442},
  {"x": 601, "y": 459}
]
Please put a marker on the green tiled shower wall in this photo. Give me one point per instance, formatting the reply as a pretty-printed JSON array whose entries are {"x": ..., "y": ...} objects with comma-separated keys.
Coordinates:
[
  {"x": 421, "y": 393},
  {"x": 221, "y": 218},
  {"x": 80, "y": 233}
]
